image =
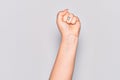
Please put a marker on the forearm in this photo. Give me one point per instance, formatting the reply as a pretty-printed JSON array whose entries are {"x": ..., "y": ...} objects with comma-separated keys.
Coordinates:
[
  {"x": 69, "y": 26},
  {"x": 64, "y": 64}
]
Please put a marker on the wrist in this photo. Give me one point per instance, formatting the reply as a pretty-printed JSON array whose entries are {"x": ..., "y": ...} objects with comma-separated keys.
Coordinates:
[
  {"x": 70, "y": 39},
  {"x": 70, "y": 44}
]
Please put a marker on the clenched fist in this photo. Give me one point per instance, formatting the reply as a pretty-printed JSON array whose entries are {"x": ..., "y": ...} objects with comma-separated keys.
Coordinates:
[{"x": 68, "y": 24}]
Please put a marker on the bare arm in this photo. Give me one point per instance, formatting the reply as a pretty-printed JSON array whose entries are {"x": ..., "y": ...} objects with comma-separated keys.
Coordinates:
[{"x": 69, "y": 26}]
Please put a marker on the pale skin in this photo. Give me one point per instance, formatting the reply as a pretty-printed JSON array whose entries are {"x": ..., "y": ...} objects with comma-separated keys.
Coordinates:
[{"x": 69, "y": 28}]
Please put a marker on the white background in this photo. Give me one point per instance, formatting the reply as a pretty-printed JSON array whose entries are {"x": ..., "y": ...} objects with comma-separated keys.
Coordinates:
[{"x": 29, "y": 38}]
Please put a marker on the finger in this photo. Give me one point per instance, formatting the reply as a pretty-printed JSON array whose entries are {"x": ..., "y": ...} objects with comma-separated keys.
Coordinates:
[
  {"x": 61, "y": 14},
  {"x": 73, "y": 21},
  {"x": 78, "y": 23},
  {"x": 69, "y": 18},
  {"x": 65, "y": 17},
  {"x": 64, "y": 12},
  {"x": 77, "y": 19}
]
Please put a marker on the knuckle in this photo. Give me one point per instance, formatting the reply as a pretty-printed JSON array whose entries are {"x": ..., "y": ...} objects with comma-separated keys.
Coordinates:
[
  {"x": 59, "y": 13},
  {"x": 77, "y": 18},
  {"x": 72, "y": 14}
]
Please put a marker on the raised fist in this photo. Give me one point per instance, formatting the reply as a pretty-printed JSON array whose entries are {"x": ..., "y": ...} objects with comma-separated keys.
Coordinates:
[{"x": 68, "y": 24}]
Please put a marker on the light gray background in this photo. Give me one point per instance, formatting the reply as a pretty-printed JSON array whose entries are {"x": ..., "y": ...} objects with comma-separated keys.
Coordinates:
[{"x": 29, "y": 38}]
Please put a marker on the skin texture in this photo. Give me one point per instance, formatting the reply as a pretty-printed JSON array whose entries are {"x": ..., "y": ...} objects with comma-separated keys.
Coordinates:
[{"x": 69, "y": 28}]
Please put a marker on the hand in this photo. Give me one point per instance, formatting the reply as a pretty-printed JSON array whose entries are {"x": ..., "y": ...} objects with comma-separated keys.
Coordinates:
[{"x": 68, "y": 24}]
